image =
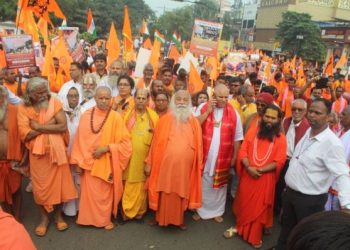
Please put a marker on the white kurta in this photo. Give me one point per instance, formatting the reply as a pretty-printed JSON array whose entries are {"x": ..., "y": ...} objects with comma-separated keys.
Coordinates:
[
  {"x": 214, "y": 199},
  {"x": 70, "y": 208}
]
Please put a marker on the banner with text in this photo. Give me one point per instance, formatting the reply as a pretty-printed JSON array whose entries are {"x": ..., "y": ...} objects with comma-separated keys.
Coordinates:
[
  {"x": 205, "y": 38},
  {"x": 19, "y": 51}
]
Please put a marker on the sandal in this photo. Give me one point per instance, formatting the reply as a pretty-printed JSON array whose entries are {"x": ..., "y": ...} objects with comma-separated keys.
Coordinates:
[
  {"x": 61, "y": 226},
  {"x": 229, "y": 233},
  {"x": 41, "y": 230},
  {"x": 219, "y": 219},
  {"x": 183, "y": 227},
  {"x": 196, "y": 217},
  {"x": 109, "y": 226},
  {"x": 258, "y": 246}
]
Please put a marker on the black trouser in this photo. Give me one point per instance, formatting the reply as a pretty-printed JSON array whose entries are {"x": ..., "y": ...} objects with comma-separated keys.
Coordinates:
[
  {"x": 280, "y": 185},
  {"x": 297, "y": 206}
]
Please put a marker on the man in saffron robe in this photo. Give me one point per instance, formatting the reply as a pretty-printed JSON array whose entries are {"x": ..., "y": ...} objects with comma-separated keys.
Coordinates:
[
  {"x": 43, "y": 128},
  {"x": 222, "y": 136},
  {"x": 262, "y": 100},
  {"x": 61, "y": 76},
  {"x": 259, "y": 163},
  {"x": 339, "y": 102},
  {"x": 175, "y": 163},
  {"x": 286, "y": 97},
  {"x": 10, "y": 157},
  {"x": 140, "y": 122},
  {"x": 102, "y": 149},
  {"x": 11, "y": 84}
]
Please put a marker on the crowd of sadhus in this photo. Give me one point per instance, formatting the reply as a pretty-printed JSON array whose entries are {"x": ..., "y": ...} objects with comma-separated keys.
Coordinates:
[{"x": 107, "y": 145}]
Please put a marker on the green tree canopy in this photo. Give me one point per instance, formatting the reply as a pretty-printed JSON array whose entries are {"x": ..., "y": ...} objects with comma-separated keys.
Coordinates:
[{"x": 299, "y": 35}]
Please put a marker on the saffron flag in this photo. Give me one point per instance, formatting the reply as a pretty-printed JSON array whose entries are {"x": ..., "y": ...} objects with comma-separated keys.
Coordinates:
[
  {"x": 112, "y": 45},
  {"x": 286, "y": 67},
  {"x": 127, "y": 35},
  {"x": 342, "y": 61},
  {"x": 147, "y": 44},
  {"x": 329, "y": 66},
  {"x": 195, "y": 83},
  {"x": 155, "y": 54},
  {"x": 61, "y": 52},
  {"x": 48, "y": 67},
  {"x": 174, "y": 53},
  {"x": 25, "y": 20},
  {"x": 184, "y": 50},
  {"x": 42, "y": 26},
  {"x": 42, "y": 8},
  {"x": 144, "y": 29},
  {"x": 293, "y": 63},
  {"x": 212, "y": 68},
  {"x": 90, "y": 24},
  {"x": 2, "y": 59}
]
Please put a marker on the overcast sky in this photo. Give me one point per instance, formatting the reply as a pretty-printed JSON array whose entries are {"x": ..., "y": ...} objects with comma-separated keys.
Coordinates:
[{"x": 158, "y": 6}]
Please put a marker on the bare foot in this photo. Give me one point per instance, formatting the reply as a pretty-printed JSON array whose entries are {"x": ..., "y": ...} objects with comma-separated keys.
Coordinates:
[
  {"x": 219, "y": 219},
  {"x": 196, "y": 217}
]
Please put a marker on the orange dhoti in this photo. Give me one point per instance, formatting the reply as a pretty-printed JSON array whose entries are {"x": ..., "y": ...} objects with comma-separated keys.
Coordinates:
[
  {"x": 10, "y": 182},
  {"x": 97, "y": 201},
  {"x": 52, "y": 184},
  {"x": 176, "y": 161}
]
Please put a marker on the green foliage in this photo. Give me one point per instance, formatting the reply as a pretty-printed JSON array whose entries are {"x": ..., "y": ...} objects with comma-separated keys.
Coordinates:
[
  {"x": 181, "y": 20},
  {"x": 295, "y": 24},
  {"x": 104, "y": 13},
  {"x": 87, "y": 37},
  {"x": 8, "y": 10}
]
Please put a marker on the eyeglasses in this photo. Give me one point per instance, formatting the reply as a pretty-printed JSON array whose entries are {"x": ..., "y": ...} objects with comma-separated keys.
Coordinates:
[{"x": 298, "y": 109}]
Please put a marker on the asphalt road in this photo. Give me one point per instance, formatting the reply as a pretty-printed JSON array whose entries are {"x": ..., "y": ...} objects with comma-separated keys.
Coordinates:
[{"x": 133, "y": 235}]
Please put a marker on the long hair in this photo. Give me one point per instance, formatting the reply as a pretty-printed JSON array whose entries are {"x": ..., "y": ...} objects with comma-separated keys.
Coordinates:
[
  {"x": 32, "y": 84},
  {"x": 270, "y": 132}
]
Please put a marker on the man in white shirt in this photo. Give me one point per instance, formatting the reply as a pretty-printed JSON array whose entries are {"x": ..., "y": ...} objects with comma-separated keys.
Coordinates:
[
  {"x": 294, "y": 128},
  {"x": 317, "y": 161},
  {"x": 100, "y": 61},
  {"x": 222, "y": 136},
  {"x": 76, "y": 73},
  {"x": 116, "y": 69}
]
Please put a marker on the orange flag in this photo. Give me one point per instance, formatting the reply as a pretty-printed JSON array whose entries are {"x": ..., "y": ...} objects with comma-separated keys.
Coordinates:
[
  {"x": 195, "y": 83},
  {"x": 147, "y": 44},
  {"x": 48, "y": 67},
  {"x": 155, "y": 54},
  {"x": 293, "y": 63},
  {"x": 42, "y": 26},
  {"x": 2, "y": 59},
  {"x": 25, "y": 20},
  {"x": 61, "y": 52},
  {"x": 286, "y": 66},
  {"x": 212, "y": 66},
  {"x": 112, "y": 45},
  {"x": 268, "y": 68},
  {"x": 329, "y": 66},
  {"x": 174, "y": 53},
  {"x": 43, "y": 8},
  {"x": 301, "y": 74},
  {"x": 128, "y": 43},
  {"x": 184, "y": 51},
  {"x": 342, "y": 61}
]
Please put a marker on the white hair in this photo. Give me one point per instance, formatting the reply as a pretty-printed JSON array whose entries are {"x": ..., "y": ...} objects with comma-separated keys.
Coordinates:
[
  {"x": 302, "y": 101},
  {"x": 181, "y": 113},
  {"x": 32, "y": 84}
]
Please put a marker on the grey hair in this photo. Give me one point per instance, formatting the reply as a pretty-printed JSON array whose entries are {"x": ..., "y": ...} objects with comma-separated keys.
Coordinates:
[
  {"x": 32, "y": 84},
  {"x": 118, "y": 61},
  {"x": 90, "y": 76},
  {"x": 148, "y": 65},
  {"x": 172, "y": 100},
  {"x": 244, "y": 90},
  {"x": 302, "y": 101}
]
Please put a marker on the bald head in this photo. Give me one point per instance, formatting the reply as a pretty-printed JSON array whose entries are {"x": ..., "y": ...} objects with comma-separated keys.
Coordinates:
[
  {"x": 148, "y": 72},
  {"x": 116, "y": 68},
  {"x": 221, "y": 93},
  {"x": 103, "y": 98}
]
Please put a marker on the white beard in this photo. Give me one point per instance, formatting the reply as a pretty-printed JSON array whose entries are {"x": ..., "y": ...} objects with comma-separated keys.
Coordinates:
[
  {"x": 182, "y": 113},
  {"x": 112, "y": 80},
  {"x": 88, "y": 94}
]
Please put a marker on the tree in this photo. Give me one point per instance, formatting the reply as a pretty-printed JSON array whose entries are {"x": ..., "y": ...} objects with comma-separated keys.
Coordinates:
[
  {"x": 299, "y": 35},
  {"x": 181, "y": 20},
  {"x": 8, "y": 10}
]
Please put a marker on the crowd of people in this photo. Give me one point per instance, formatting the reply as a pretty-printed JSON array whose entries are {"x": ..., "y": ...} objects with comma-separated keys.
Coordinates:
[{"x": 105, "y": 145}]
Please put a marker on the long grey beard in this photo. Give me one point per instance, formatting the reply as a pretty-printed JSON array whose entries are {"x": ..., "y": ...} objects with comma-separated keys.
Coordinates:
[
  {"x": 43, "y": 104},
  {"x": 182, "y": 113},
  {"x": 88, "y": 94}
]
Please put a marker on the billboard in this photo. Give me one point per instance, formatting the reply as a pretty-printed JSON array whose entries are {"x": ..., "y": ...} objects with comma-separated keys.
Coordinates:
[
  {"x": 19, "y": 51},
  {"x": 205, "y": 37}
]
